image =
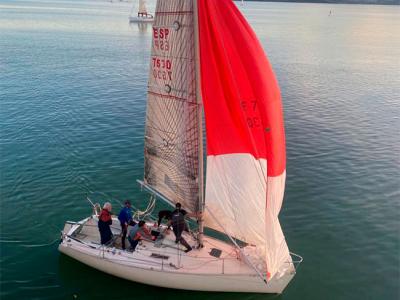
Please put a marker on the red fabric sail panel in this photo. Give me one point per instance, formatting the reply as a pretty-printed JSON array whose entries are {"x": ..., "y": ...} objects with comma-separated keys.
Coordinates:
[{"x": 242, "y": 104}]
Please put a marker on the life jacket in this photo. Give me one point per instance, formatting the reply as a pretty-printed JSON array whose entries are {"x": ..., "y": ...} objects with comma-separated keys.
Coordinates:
[{"x": 105, "y": 216}]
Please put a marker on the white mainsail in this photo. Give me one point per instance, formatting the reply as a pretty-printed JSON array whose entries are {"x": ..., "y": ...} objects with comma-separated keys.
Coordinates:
[{"x": 172, "y": 125}]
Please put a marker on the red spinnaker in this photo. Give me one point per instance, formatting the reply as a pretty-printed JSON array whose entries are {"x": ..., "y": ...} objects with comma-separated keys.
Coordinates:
[{"x": 243, "y": 112}]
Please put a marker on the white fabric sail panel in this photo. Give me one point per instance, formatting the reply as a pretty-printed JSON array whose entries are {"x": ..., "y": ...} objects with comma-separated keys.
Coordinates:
[
  {"x": 172, "y": 127},
  {"x": 142, "y": 7},
  {"x": 235, "y": 196},
  {"x": 278, "y": 256},
  {"x": 236, "y": 193}
]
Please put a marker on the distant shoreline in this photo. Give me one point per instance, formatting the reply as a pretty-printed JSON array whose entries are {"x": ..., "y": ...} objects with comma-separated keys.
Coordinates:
[{"x": 367, "y": 2}]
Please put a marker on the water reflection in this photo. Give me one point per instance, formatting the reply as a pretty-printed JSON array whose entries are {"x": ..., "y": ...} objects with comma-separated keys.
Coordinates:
[{"x": 143, "y": 27}]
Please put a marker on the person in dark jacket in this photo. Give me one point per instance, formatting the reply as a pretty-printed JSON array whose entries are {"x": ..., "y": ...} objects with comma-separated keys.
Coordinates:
[
  {"x": 164, "y": 214},
  {"x": 125, "y": 219},
  {"x": 179, "y": 225},
  {"x": 104, "y": 224}
]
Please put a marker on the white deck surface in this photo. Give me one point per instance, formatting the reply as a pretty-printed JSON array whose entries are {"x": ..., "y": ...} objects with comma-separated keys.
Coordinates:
[{"x": 164, "y": 263}]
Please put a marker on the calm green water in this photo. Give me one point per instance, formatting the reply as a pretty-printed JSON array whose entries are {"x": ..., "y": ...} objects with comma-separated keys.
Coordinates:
[{"x": 73, "y": 78}]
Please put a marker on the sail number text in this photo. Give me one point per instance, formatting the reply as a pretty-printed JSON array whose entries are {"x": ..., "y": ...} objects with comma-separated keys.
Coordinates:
[
  {"x": 160, "y": 37},
  {"x": 250, "y": 109},
  {"x": 162, "y": 68}
]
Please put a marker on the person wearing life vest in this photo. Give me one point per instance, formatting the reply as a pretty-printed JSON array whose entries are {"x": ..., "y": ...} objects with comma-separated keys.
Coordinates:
[
  {"x": 179, "y": 225},
  {"x": 104, "y": 224}
]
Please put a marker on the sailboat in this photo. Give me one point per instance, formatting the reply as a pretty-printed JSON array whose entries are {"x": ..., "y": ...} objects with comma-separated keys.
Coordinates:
[
  {"x": 206, "y": 67},
  {"x": 142, "y": 15}
]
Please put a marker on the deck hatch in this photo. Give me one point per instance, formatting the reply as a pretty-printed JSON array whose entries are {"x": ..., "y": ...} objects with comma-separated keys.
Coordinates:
[
  {"x": 215, "y": 252},
  {"x": 160, "y": 256}
]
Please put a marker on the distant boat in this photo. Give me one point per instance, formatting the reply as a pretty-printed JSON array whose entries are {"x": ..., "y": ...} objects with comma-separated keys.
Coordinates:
[
  {"x": 142, "y": 15},
  {"x": 205, "y": 59}
]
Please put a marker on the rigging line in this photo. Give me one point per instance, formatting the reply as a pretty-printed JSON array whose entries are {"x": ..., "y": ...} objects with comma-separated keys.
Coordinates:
[
  {"x": 182, "y": 167},
  {"x": 229, "y": 188},
  {"x": 168, "y": 113},
  {"x": 161, "y": 130},
  {"x": 167, "y": 136},
  {"x": 243, "y": 255},
  {"x": 148, "y": 210},
  {"x": 236, "y": 213},
  {"x": 172, "y": 118},
  {"x": 187, "y": 149},
  {"x": 202, "y": 264},
  {"x": 182, "y": 171}
]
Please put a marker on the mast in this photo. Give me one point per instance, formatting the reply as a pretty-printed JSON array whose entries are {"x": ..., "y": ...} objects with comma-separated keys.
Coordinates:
[{"x": 201, "y": 205}]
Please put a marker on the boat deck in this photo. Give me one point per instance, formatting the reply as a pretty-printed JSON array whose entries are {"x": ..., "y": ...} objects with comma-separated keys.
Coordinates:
[{"x": 163, "y": 253}]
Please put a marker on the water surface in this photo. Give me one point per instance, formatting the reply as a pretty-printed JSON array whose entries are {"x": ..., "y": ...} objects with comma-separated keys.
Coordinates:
[{"x": 72, "y": 94}]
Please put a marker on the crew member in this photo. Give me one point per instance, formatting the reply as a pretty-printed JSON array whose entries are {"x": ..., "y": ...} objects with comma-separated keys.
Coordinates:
[
  {"x": 136, "y": 233},
  {"x": 179, "y": 225},
  {"x": 125, "y": 219},
  {"x": 104, "y": 224}
]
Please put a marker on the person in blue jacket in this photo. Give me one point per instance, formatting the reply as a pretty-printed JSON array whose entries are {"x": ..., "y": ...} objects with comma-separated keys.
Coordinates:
[{"x": 125, "y": 218}]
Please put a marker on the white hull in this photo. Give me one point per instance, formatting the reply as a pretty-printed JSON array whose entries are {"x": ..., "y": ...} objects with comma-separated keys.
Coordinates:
[
  {"x": 133, "y": 19},
  {"x": 197, "y": 270}
]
